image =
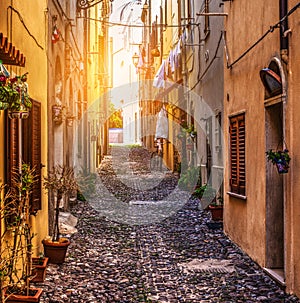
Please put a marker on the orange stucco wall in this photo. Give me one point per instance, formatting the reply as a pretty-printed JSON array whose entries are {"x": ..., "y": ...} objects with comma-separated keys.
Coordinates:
[{"x": 245, "y": 220}]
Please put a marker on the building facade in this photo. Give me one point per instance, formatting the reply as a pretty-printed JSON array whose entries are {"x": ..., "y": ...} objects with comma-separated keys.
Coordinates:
[
  {"x": 66, "y": 80},
  {"x": 260, "y": 102},
  {"x": 23, "y": 49},
  {"x": 125, "y": 31}
]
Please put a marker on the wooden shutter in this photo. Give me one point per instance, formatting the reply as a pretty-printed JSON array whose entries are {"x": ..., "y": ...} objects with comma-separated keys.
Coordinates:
[
  {"x": 31, "y": 148},
  {"x": 31, "y": 134},
  {"x": 237, "y": 154},
  {"x": 12, "y": 147}
]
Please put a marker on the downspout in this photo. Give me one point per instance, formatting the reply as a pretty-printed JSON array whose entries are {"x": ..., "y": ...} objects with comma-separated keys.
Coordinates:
[
  {"x": 284, "y": 40},
  {"x": 284, "y": 46},
  {"x": 183, "y": 103}
]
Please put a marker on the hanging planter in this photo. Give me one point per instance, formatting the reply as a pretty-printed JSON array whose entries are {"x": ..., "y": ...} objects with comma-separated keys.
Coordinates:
[
  {"x": 70, "y": 121},
  {"x": 22, "y": 113},
  {"x": 279, "y": 158},
  {"x": 155, "y": 52},
  {"x": 14, "y": 96},
  {"x": 57, "y": 114}
]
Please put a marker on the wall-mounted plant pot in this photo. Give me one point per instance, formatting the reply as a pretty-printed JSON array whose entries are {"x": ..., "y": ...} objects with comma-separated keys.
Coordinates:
[
  {"x": 155, "y": 52},
  {"x": 57, "y": 114},
  {"x": 56, "y": 251},
  {"x": 22, "y": 114},
  {"x": 39, "y": 266},
  {"x": 70, "y": 121}
]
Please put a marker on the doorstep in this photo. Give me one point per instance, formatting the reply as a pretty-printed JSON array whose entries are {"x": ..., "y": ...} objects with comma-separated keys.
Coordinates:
[{"x": 276, "y": 274}]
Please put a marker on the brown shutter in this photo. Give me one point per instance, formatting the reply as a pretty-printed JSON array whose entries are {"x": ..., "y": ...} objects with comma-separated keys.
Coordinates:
[
  {"x": 237, "y": 154},
  {"x": 242, "y": 158},
  {"x": 234, "y": 154},
  {"x": 12, "y": 147},
  {"x": 31, "y": 132}
]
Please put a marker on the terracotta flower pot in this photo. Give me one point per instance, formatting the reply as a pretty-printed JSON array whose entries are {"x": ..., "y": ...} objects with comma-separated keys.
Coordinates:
[
  {"x": 39, "y": 266},
  {"x": 56, "y": 251},
  {"x": 35, "y": 294},
  {"x": 216, "y": 212},
  {"x": 57, "y": 114}
]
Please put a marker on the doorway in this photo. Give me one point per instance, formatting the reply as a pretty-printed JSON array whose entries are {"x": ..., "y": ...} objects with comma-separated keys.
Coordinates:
[{"x": 274, "y": 195}]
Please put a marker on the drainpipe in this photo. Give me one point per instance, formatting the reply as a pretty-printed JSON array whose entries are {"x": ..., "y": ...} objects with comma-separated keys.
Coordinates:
[
  {"x": 284, "y": 42},
  {"x": 183, "y": 103}
]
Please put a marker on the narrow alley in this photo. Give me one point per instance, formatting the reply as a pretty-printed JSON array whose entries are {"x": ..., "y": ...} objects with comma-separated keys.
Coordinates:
[{"x": 183, "y": 257}]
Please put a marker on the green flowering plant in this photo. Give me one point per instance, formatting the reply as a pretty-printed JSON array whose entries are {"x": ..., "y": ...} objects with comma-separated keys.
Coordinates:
[
  {"x": 278, "y": 156},
  {"x": 14, "y": 93}
]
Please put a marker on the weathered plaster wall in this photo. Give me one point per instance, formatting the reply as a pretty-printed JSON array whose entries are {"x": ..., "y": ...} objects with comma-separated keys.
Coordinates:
[
  {"x": 36, "y": 66},
  {"x": 292, "y": 207},
  {"x": 244, "y": 92}
]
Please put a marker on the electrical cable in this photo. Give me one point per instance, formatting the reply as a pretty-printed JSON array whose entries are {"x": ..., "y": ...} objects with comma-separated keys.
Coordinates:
[
  {"x": 26, "y": 28},
  {"x": 209, "y": 65},
  {"x": 270, "y": 30},
  {"x": 139, "y": 26}
]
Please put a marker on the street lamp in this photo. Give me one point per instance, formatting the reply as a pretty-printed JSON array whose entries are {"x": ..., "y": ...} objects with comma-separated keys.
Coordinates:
[{"x": 135, "y": 59}]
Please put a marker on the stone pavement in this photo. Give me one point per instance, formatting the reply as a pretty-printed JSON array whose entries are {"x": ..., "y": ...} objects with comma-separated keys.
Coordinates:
[{"x": 182, "y": 257}]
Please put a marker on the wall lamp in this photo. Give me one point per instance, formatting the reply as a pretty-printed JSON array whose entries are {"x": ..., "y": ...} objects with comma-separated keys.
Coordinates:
[
  {"x": 271, "y": 81},
  {"x": 135, "y": 59},
  {"x": 85, "y": 4}
]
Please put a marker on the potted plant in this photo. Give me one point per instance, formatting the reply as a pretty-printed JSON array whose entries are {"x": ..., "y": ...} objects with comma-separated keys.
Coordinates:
[
  {"x": 39, "y": 265},
  {"x": 189, "y": 179},
  {"x": 279, "y": 158},
  {"x": 216, "y": 209},
  {"x": 61, "y": 182},
  {"x": 16, "y": 249},
  {"x": 190, "y": 129},
  {"x": 14, "y": 96},
  {"x": 57, "y": 113}
]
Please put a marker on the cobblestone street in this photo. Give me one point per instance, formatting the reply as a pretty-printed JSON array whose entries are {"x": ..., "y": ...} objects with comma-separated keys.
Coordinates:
[{"x": 181, "y": 257}]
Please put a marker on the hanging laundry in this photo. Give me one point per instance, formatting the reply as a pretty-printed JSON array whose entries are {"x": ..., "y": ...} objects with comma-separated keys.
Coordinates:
[
  {"x": 162, "y": 124},
  {"x": 177, "y": 53},
  {"x": 172, "y": 60},
  {"x": 159, "y": 79},
  {"x": 140, "y": 62}
]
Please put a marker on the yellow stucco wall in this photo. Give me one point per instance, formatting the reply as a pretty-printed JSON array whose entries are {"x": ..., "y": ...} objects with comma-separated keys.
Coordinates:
[{"x": 35, "y": 19}]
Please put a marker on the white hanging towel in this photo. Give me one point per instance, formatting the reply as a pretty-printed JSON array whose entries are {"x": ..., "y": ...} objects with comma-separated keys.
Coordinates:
[
  {"x": 159, "y": 79},
  {"x": 172, "y": 60},
  {"x": 140, "y": 62},
  {"x": 162, "y": 124}
]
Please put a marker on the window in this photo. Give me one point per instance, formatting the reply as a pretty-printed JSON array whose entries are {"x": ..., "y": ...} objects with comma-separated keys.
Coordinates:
[{"x": 237, "y": 155}]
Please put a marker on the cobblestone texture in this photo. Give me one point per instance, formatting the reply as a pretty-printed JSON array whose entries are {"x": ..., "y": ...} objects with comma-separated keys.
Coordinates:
[{"x": 110, "y": 261}]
